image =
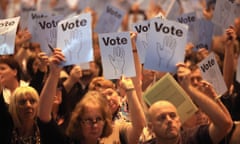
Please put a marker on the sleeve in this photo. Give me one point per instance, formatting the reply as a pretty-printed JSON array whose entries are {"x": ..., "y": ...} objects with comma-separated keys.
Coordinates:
[
  {"x": 123, "y": 131},
  {"x": 50, "y": 133},
  {"x": 198, "y": 135},
  {"x": 6, "y": 123}
]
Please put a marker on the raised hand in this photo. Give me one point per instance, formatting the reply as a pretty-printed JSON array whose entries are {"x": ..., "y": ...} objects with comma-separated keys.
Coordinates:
[{"x": 117, "y": 60}]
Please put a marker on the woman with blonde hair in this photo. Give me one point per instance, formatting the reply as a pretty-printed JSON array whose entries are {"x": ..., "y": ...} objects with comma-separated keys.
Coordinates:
[{"x": 18, "y": 119}]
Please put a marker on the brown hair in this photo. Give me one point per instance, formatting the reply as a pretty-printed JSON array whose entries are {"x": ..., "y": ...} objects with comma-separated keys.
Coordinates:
[
  {"x": 100, "y": 82},
  {"x": 74, "y": 129}
]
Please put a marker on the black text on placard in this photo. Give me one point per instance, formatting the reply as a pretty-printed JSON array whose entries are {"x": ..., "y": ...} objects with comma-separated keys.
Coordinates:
[
  {"x": 71, "y": 25},
  {"x": 113, "y": 42},
  {"x": 166, "y": 29},
  {"x": 142, "y": 28},
  {"x": 207, "y": 65},
  {"x": 37, "y": 16},
  {"x": 48, "y": 25},
  {"x": 186, "y": 20},
  {"x": 114, "y": 13},
  {"x": 7, "y": 23}
]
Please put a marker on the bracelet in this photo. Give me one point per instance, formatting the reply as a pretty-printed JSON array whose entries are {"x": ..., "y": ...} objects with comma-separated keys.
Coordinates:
[
  {"x": 129, "y": 89},
  {"x": 217, "y": 98}
]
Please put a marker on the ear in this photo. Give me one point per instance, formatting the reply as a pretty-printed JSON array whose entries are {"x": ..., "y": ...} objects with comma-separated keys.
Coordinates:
[
  {"x": 15, "y": 72},
  {"x": 150, "y": 126}
]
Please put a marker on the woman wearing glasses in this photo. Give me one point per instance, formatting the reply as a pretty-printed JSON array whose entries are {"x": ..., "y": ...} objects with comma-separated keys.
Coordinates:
[{"x": 91, "y": 120}]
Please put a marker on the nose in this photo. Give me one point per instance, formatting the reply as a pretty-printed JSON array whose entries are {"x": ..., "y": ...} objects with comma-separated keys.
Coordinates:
[{"x": 28, "y": 103}]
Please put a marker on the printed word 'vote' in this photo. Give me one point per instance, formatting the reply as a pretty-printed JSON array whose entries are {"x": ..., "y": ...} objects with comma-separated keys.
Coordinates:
[
  {"x": 48, "y": 25},
  {"x": 7, "y": 24},
  {"x": 165, "y": 29},
  {"x": 142, "y": 28},
  {"x": 112, "y": 42},
  {"x": 207, "y": 65},
  {"x": 114, "y": 13},
  {"x": 186, "y": 20},
  {"x": 71, "y": 25}
]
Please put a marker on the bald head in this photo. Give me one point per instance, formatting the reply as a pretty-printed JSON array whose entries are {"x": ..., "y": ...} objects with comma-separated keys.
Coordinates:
[{"x": 160, "y": 107}]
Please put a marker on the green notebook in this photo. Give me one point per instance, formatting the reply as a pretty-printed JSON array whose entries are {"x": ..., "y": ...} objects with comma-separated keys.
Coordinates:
[{"x": 167, "y": 88}]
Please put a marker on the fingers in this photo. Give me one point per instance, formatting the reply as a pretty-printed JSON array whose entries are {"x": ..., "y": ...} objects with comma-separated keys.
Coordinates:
[{"x": 57, "y": 56}]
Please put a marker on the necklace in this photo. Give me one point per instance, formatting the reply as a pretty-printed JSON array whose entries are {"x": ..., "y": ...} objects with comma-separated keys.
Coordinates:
[{"x": 33, "y": 139}]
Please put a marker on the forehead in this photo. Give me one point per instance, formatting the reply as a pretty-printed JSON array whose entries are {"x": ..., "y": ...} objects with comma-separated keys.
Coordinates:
[
  {"x": 161, "y": 108},
  {"x": 4, "y": 65},
  {"x": 196, "y": 72},
  {"x": 92, "y": 110},
  {"x": 25, "y": 96}
]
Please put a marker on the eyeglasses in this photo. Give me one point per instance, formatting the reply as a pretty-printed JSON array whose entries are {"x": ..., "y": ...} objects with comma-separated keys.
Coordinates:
[
  {"x": 24, "y": 101},
  {"x": 91, "y": 122}
]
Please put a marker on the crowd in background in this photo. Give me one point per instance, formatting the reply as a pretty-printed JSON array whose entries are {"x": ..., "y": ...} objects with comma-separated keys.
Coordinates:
[{"x": 42, "y": 102}]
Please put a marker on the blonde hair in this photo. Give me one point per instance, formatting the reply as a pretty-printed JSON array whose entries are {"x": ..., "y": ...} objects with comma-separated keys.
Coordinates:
[
  {"x": 17, "y": 95},
  {"x": 74, "y": 129}
]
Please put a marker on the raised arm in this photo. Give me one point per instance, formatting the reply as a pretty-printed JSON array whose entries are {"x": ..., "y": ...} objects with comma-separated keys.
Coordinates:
[
  {"x": 228, "y": 63},
  {"x": 49, "y": 90},
  {"x": 220, "y": 124},
  {"x": 136, "y": 111}
]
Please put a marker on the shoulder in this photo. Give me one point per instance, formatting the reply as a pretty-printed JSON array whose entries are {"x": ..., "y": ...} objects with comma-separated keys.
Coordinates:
[
  {"x": 197, "y": 135},
  {"x": 151, "y": 141}
]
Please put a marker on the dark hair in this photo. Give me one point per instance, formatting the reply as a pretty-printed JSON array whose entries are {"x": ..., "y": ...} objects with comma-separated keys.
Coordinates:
[
  {"x": 13, "y": 64},
  {"x": 29, "y": 65}
]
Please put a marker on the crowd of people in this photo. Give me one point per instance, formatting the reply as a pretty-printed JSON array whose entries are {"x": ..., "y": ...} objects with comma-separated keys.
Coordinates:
[{"x": 42, "y": 102}]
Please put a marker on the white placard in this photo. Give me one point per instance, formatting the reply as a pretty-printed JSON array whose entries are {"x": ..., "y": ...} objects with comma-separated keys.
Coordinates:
[
  {"x": 173, "y": 11},
  {"x": 204, "y": 31},
  {"x": 46, "y": 30},
  {"x": 24, "y": 14},
  {"x": 225, "y": 12},
  {"x": 74, "y": 37},
  {"x": 142, "y": 29},
  {"x": 166, "y": 45},
  {"x": 33, "y": 18},
  {"x": 210, "y": 72},
  {"x": 116, "y": 55},
  {"x": 110, "y": 20},
  {"x": 189, "y": 19},
  {"x": 8, "y": 28}
]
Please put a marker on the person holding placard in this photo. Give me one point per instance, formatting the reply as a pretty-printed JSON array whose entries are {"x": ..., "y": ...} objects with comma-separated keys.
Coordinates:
[
  {"x": 164, "y": 120},
  {"x": 91, "y": 120}
]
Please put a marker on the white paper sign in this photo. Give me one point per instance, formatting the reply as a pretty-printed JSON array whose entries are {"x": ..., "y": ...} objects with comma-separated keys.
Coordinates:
[
  {"x": 166, "y": 45},
  {"x": 116, "y": 55},
  {"x": 142, "y": 29},
  {"x": 189, "y": 19},
  {"x": 47, "y": 33},
  {"x": 24, "y": 13},
  {"x": 204, "y": 31},
  {"x": 174, "y": 10},
  {"x": 225, "y": 12},
  {"x": 74, "y": 37},
  {"x": 8, "y": 28},
  {"x": 210, "y": 72},
  {"x": 192, "y": 6},
  {"x": 110, "y": 20},
  {"x": 33, "y": 18}
]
